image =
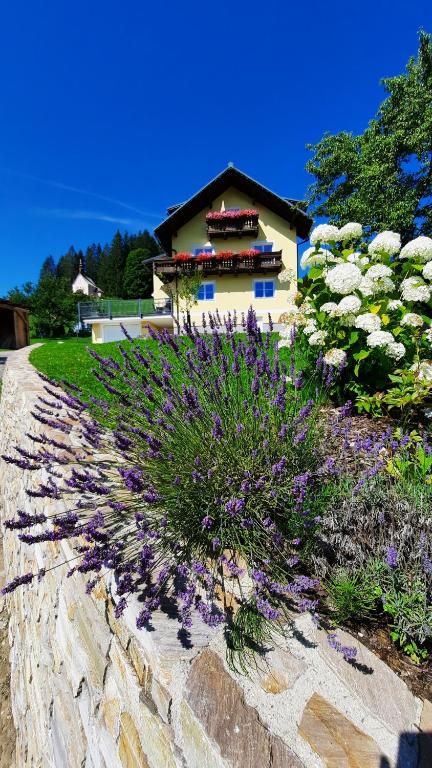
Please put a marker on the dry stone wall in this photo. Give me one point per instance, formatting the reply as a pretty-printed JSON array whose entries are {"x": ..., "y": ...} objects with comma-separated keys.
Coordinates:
[{"x": 91, "y": 691}]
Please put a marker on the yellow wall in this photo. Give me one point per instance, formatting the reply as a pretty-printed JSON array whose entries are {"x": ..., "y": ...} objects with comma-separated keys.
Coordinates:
[
  {"x": 96, "y": 333},
  {"x": 236, "y": 291}
]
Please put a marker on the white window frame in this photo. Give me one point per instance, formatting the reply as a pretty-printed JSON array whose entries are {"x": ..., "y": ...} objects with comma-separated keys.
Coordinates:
[
  {"x": 264, "y": 280},
  {"x": 208, "y": 282}
]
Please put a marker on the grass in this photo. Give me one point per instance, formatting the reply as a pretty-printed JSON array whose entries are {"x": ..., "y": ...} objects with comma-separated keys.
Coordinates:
[{"x": 68, "y": 359}]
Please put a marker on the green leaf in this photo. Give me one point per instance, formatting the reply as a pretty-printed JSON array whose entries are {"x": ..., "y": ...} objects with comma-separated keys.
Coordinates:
[
  {"x": 362, "y": 355},
  {"x": 314, "y": 272},
  {"x": 353, "y": 338}
]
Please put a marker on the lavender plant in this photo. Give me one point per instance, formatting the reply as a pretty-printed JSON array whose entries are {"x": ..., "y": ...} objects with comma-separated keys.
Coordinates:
[{"x": 211, "y": 481}]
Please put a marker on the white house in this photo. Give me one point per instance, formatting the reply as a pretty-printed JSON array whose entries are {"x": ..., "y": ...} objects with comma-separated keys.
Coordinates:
[{"x": 85, "y": 285}]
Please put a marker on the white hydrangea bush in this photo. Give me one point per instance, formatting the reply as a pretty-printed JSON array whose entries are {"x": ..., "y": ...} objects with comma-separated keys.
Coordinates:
[{"x": 366, "y": 305}]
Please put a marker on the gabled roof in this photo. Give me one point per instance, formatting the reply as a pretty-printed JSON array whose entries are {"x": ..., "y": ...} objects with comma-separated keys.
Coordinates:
[{"x": 231, "y": 177}]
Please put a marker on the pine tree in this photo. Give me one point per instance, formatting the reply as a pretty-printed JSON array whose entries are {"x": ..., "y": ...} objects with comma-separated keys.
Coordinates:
[
  {"x": 91, "y": 262},
  {"x": 68, "y": 265},
  {"x": 48, "y": 267},
  {"x": 138, "y": 276}
]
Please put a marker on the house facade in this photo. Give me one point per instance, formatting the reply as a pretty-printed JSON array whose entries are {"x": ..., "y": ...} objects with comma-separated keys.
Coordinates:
[
  {"x": 237, "y": 237},
  {"x": 229, "y": 242}
]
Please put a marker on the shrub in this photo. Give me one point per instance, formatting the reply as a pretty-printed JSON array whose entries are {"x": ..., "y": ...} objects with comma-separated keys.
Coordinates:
[
  {"x": 367, "y": 306},
  {"x": 216, "y": 479},
  {"x": 351, "y": 595},
  {"x": 375, "y": 540}
]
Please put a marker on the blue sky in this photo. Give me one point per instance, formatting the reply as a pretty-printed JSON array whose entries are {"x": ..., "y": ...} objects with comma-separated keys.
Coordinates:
[{"x": 111, "y": 111}]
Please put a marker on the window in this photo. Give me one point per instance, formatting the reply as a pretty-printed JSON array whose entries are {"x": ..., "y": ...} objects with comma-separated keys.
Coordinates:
[
  {"x": 232, "y": 209},
  {"x": 206, "y": 292},
  {"x": 263, "y": 246},
  {"x": 264, "y": 289},
  {"x": 202, "y": 249}
]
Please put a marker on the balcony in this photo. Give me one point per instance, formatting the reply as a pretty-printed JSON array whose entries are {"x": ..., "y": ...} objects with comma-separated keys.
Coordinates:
[
  {"x": 111, "y": 308},
  {"x": 235, "y": 264},
  {"x": 232, "y": 224}
]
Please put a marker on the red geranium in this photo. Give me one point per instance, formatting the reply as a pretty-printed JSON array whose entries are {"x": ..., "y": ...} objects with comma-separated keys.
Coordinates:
[
  {"x": 204, "y": 257},
  {"x": 182, "y": 256},
  {"x": 242, "y": 213},
  {"x": 249, "y": 252}
]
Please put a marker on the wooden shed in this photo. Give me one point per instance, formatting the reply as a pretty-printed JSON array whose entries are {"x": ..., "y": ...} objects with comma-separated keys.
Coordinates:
[{"x": 14, "y": 325}]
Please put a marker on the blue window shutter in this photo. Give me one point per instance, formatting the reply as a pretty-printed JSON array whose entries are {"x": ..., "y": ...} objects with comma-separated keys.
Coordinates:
[
  {"x": 259, "y": 290},
  {"x": 269, "y": 288},
  {"x": 210, "y": 291},
  {"x": 200, "y": 294}
]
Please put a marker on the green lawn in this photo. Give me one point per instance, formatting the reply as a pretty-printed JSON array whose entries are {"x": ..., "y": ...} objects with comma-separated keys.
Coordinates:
[{"x": 69, "y": 359}]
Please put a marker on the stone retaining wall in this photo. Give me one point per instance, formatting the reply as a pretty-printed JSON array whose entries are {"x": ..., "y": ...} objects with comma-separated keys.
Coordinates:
[{"x": 91, "y": 691}]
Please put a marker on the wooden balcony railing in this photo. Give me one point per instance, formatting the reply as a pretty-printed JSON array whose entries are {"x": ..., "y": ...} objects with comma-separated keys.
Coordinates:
[
  {"x": 260, "y": 262},
  {"x": 233, "y": 227}
]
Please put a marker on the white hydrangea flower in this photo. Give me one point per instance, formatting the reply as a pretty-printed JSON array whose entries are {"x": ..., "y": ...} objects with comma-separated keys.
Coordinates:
[
  {"x": 383, "y": 285},
  {"x": 318, "y": 338},
  {"x": 357, "y": 258},
  {"x": 348, "y": 321},
  {"x": 423, "y": 369},
  {"x": 310, "y": 327},
  {"x": 313, "y": 258},
  {"x": 428, "y": 335},
  {"x": 343, "y": 278},
  {"x": 335, "y": 357},
  {"x": 307, "y": 308},
  {"x": 378, "y": 270},
  {"x": 394, "y": 304},
  {"x": 412, "y": 320},
  {"x": 420, "y": 248},
  {"x": 284, "y": 343},
  {"x": 286, "y": 276},
  {"x": 349, "y": 305},
  {"x": 330, "y": 308},
  {"x": 386, "y": 242},
  {"x": 368, "y": 322},
  {"x": 324, "y": 233},
  {"x": 379, "y": 339},
  {"x": 427, "y": 271},
  {"x": 350, "y": 231},
  {"x": 396, "y": 350},
  {"x": 366, "y": 287},
  {"x": 415, "y": 289}
]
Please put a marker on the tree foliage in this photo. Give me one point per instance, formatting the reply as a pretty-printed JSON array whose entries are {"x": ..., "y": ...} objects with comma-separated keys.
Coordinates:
[
  {"x": 383, "y": 176},
  {"x": 117, "y": 268},
  {"x": 137, "y": 278}
]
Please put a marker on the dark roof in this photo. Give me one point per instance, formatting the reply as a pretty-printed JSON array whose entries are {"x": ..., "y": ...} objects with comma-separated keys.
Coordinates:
[
  {"x": 12, "y": 305},
  {"x": 172, "y": 208},
  {"x": 231, "y": 177}
]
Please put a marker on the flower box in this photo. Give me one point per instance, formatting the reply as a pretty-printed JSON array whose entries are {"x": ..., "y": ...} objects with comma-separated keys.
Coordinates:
[{"x": 224, "y": 223}]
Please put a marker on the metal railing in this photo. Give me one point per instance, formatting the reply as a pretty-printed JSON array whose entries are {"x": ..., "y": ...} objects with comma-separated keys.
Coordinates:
[{"x": 111, "y": 308}]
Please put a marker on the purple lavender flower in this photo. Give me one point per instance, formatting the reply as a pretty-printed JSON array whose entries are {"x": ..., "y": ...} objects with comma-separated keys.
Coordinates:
[
  {"x": 12, "y": 585},
  {"x": 392, "y": 557}
]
